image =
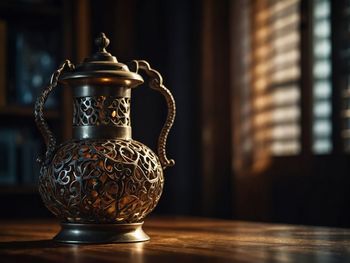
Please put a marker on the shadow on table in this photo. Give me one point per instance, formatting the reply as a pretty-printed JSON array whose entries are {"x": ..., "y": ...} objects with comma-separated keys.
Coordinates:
[{"x": 30, "y": 244}]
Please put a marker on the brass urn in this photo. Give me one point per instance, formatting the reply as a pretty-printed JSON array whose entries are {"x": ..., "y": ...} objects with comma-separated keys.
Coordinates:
[{"x": 102, "y": 183}]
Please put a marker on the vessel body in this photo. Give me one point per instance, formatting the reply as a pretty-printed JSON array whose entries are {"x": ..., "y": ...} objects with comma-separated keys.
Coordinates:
[{"x": 101, "y": 183}]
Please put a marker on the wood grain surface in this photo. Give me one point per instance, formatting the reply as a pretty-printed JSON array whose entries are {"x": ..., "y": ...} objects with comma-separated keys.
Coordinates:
[{"x": 182, "y": 240}]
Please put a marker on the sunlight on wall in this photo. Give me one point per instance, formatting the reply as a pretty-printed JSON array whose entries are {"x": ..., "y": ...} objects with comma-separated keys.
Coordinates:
[{"x": 276, "y": 73}]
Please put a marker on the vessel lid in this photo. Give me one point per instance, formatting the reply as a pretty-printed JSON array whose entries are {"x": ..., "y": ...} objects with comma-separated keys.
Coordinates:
[{"x": 102, "y": 67}]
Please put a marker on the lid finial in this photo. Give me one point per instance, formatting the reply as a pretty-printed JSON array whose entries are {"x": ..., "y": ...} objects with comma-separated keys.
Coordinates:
[{"x": 102, "y": 42}]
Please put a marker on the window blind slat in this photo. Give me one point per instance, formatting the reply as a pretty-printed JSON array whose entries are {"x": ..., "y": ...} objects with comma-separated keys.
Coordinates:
[{"x": 322, "y": 70}]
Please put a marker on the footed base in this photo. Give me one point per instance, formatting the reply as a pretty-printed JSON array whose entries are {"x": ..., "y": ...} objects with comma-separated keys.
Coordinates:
[{"x": 101, "y": 233}]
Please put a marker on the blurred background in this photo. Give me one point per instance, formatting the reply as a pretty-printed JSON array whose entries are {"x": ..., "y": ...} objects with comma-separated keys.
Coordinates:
[{"x": 262, "y": 88}]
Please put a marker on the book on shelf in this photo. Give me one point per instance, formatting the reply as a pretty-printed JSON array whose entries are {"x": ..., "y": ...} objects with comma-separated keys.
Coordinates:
[
  {"x": 34, "y": 55},
  {"x": 35, "y": 62},
  {"x": 19, "y": 151},
  {"x": 9, "y": 139},
  {"x": 3, "y": 70},
  {"x": 29, "y": 151}
]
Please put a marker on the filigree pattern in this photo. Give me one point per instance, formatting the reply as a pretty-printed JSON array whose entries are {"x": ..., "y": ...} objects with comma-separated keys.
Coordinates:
[
  {"x": 102, "y": 181},
  {"x": 101, "y": 110}
]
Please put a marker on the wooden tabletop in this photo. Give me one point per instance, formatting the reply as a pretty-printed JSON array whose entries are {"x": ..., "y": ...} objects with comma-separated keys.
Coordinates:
[{"x": 182, "y": 240}]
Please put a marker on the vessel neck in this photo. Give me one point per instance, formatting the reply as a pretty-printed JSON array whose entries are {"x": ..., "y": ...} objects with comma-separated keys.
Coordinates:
[{"x": 101, "y": 117}]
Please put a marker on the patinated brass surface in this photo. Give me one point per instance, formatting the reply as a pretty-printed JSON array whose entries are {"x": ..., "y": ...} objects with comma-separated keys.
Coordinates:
[
  {"x": 102, "y": 178},
  {"x": 102, "y": 181}
]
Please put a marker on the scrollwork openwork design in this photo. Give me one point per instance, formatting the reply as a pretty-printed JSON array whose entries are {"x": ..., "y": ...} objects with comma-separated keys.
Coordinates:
[
  {"x": 101, "y": 110},
  {"x": 106, "y": 181}
]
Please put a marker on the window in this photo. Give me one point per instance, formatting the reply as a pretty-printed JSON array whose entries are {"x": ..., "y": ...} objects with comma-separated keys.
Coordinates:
[{"x": 270, "y": 83}]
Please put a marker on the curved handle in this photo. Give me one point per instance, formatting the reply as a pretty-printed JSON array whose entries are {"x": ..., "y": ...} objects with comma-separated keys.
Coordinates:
[
  {"x": 49, "y": 138},
  {"x": 156, "y": 83}
]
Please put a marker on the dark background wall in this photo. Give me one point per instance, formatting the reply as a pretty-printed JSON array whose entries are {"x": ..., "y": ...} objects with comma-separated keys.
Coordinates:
[
  {"x": 170, "y": 35},
  {"x": 190, "y": 44},
  {"x": 165, "y": 33}
]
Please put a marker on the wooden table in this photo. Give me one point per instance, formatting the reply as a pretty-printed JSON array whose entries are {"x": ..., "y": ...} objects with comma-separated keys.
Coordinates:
[{"x": 182, "y": 240}]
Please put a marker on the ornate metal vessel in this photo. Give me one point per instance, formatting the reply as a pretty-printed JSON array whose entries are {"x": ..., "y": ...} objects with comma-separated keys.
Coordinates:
[{"x": 102, "y": 183}]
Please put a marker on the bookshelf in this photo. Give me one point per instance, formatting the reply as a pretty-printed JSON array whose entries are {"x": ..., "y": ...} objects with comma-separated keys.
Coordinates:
[{"x": 35, "y": 37}]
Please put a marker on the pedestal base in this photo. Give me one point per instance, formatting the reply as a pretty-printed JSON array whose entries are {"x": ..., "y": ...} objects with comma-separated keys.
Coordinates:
[{"x": 101, "y": 233}]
